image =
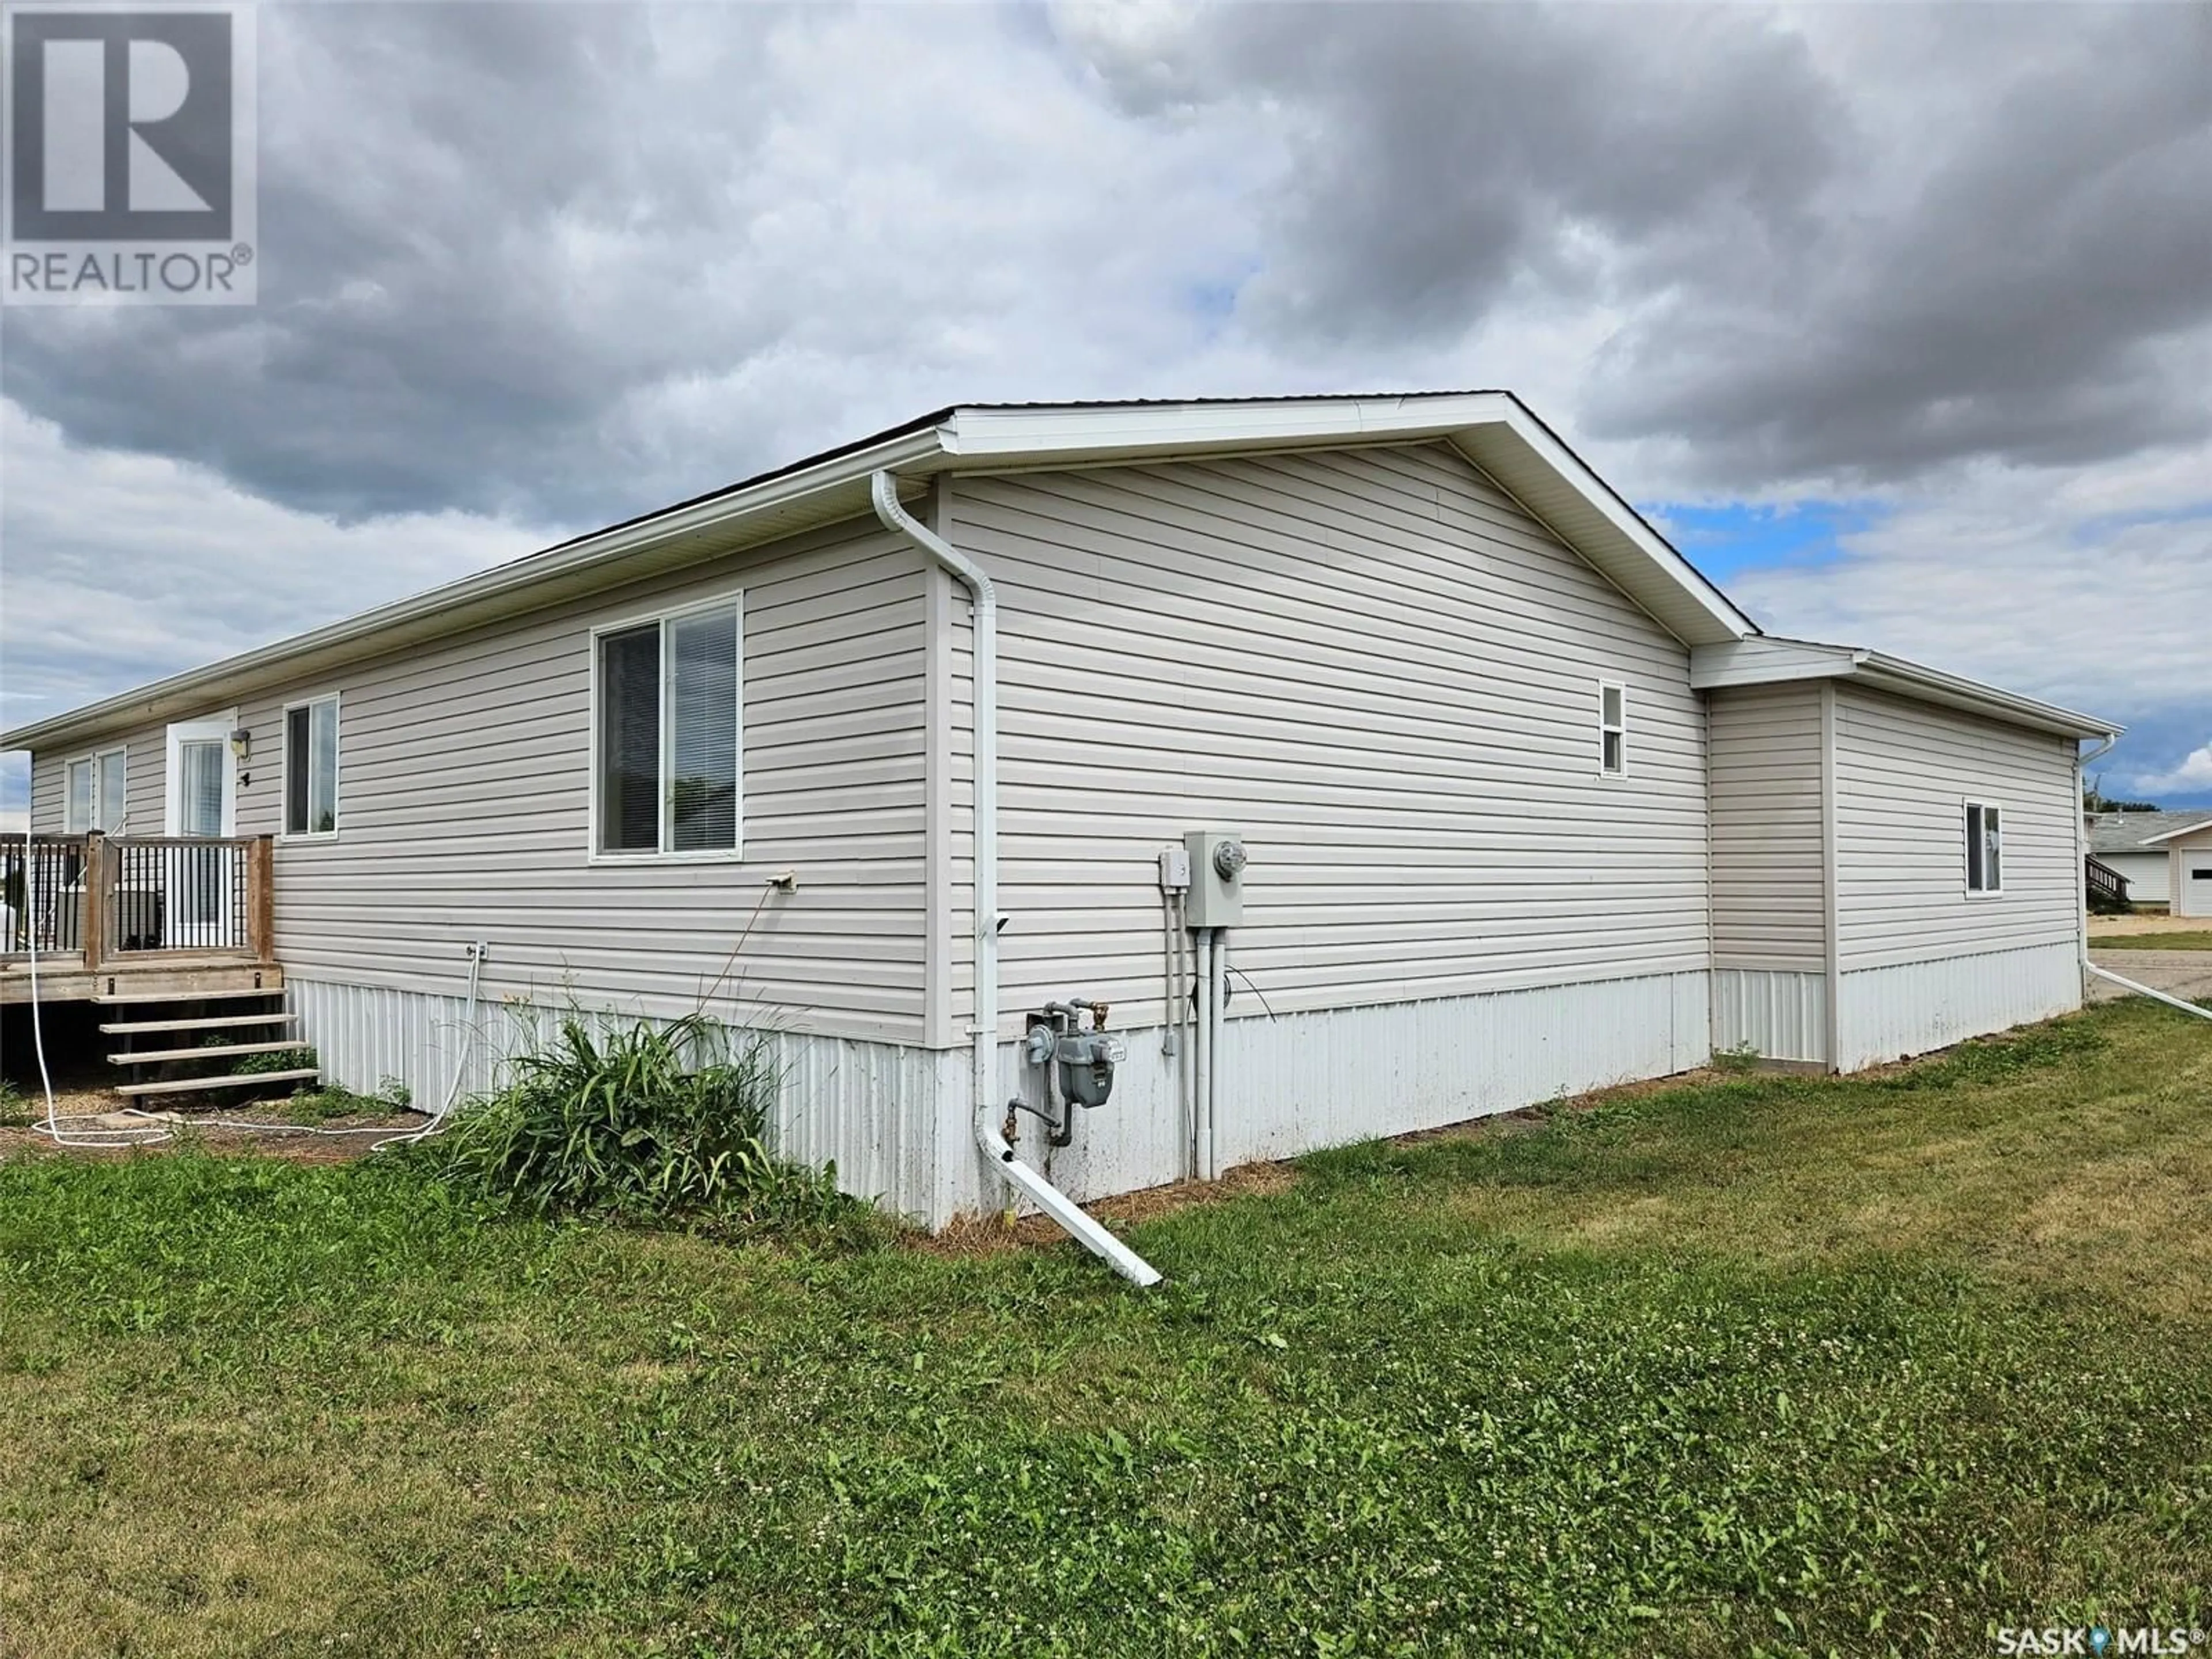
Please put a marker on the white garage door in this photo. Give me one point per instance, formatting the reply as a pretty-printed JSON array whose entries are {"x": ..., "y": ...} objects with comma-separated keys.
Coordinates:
[{"x": 2195, "y": 898}]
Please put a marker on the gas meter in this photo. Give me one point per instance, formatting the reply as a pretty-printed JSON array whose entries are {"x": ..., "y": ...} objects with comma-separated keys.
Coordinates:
[{"x": 1078, "y": 1062}]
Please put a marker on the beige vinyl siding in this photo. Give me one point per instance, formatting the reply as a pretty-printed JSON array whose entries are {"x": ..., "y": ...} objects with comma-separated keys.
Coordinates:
[
  {"x": 1768, "y": 901},
  {"x": 49, "y": 807},
  {"x": 463, "y": 779},
  {"x": 1904, "y": 774},
  {"x": 1383, "y": 671}
]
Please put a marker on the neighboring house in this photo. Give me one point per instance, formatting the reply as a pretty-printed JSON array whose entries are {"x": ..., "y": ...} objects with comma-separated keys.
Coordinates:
[
  {"x": 1529, "y": 806},
  {"x": 2139, "y": 845},
  {"x": 2189, "y": 871}
]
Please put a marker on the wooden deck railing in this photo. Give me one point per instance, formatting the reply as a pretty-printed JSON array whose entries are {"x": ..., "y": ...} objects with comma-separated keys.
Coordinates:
[
  {"x": 2107, "y": 887},
  {"x": 111, "y": 899}
]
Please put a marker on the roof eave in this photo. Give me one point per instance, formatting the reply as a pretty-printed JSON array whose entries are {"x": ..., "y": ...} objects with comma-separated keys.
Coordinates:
[
  {"x": 1934, "y": 685},
  {"x": 505, "y": 590},
  {"x": 2198, "y": 828},
  {"x": 1494, "y": 429},
  {"x": 1774, "y": 661}
]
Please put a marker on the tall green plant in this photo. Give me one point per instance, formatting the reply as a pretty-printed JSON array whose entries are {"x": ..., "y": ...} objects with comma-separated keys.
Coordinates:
[{"x": 642, "y": 1120}]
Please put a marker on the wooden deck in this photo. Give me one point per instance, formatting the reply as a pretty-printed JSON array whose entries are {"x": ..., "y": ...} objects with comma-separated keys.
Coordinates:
[
  {"x": 162, "y": 975},
  {"x": 143, "y": 919}
]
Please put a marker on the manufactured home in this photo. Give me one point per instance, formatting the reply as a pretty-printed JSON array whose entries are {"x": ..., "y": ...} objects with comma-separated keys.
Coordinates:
[{"x": 1360, "y": 765}]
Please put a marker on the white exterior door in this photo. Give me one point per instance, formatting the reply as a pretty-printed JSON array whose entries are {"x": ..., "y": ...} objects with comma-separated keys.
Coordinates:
[
  {"x": 198, "y": 886},
  {"x": 2192, "y": 894}
]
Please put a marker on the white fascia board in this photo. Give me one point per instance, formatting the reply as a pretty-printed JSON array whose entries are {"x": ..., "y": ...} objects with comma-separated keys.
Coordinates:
[
  {"x": 1072, "y": 436},
  {"x": 2196, "y": 828},
  {"x": 1526, "y": 457},
  {"x": 506, "y": 590},
  {"x": 1770, "y": 661},
  {"x": 1494, "y": 430},
  {"x": 1914, "y": 679}
]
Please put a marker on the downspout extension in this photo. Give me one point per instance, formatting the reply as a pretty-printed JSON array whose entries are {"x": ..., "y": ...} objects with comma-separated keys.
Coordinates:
[
  {"x": 883, "y": 490},
  {"x": 2081, "y": 849}
]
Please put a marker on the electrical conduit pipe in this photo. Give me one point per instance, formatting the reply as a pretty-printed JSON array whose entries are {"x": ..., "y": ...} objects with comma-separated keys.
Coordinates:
[
  {"x": 883, "y": 488},
  {"x": 1201, "y": 1086},
  {"x": 1216, "y": 1016}
]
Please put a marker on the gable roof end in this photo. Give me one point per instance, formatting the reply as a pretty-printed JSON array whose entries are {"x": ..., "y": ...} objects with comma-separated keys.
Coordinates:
[
  {"x": 1492, "y": 429},
  {"x": 2176, "y": 834}
]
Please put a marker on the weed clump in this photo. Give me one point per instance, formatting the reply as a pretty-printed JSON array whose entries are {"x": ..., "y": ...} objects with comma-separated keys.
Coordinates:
[{"x": 642, "y": 1121}]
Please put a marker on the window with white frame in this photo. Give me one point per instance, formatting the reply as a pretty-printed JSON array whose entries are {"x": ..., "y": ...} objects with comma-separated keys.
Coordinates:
[
  {"x": 1612, "y": 728},
  {"x": 93, "y": 799},
  {"x": 1984, "y": 847},
  {"x": 311, "y": 768},
  {"x": 667, "y": 718}
]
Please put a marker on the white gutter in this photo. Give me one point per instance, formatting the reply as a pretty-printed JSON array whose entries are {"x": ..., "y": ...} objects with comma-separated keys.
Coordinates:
[
  {"x": 1523, "y": 456},
  {"x": 521, "y": 585},
  {"x": 1771, "y": 661},
  {"x": 1085, "y": 1230}
]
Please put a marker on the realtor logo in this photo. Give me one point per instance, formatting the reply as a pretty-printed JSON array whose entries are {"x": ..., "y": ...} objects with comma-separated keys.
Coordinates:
[{"x": 130, "y": 155}]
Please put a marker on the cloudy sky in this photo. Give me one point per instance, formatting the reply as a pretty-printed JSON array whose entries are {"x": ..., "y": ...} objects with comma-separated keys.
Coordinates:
[{"x": 1898, "y": 320}]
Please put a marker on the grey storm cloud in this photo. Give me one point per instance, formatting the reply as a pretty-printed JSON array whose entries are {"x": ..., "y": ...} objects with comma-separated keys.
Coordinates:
[
  {"x": 1974, "y": 232},
  {"x": 1442, "y": 156},
  {"x": 556, "y": 262},
  {"x": 2034, "y": 284},
  {"x": 436, "y": 182}
]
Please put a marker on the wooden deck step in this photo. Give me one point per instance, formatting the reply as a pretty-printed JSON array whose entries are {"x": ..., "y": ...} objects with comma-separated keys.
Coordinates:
[
  {"x": 228, "y": 1080},
  {"x": 212, "y": 1023},
  {"x": 219, "y": 1051},
  {"x": 120, "y": 996}
]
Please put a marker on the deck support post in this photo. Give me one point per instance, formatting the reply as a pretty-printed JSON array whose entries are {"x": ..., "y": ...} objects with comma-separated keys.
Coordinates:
[
  {"x": 261, "y": 898},
  {"x": 92, "y": 915}
]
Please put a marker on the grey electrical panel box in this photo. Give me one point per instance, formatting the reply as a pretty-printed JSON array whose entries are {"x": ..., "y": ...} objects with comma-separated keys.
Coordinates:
[{"x": 1217, "y": 877}]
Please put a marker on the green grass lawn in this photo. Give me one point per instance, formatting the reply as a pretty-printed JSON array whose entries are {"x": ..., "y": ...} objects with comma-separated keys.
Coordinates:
[
  {"x": 1766, "y": 1364},
  {"x": 2189, "y": 941}
]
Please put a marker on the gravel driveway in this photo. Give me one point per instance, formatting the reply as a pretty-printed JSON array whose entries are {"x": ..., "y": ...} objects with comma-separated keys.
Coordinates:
[{"x": 2185, "y": 973}]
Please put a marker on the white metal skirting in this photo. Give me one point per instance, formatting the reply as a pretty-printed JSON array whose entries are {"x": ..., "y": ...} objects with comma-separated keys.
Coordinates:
[
  {"x": 872, "y": 1107},
  {"x": 1886, "y": 1014},
  {"x": 895, "y": 1118},
  {"x": 1777, "y": 1015},
  {"x": 1305, "y": 1081}
]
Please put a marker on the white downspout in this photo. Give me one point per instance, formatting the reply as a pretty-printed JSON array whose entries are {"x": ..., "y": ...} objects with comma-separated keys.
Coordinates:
[
  {"x": 883, "y": 488},
  {"x": 2081, "y": 832},
  {"x": 2081, "y": 852}
]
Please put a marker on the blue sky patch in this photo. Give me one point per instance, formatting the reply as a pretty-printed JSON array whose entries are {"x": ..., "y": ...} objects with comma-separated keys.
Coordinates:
[{"x": 1725, "y": 539}]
